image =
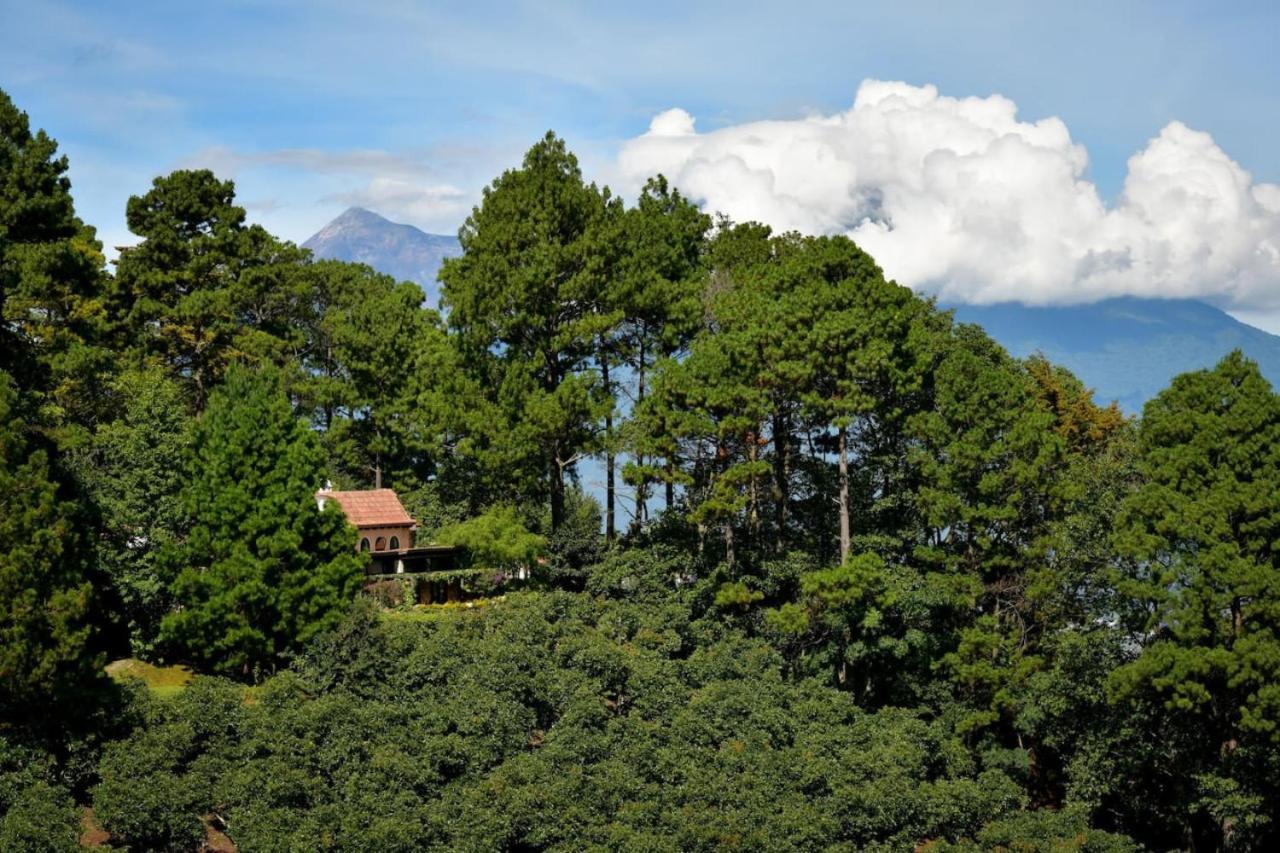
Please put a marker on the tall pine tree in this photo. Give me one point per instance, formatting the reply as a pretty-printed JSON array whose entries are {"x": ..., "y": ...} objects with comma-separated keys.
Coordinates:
[
  {"x": 45, "y": 632},
  {"x": 1202, "y": 538},
  {"x": 51, "y": 277},
  {"x": 262, "y": 569},
  {"x": 528, "y": 300}
]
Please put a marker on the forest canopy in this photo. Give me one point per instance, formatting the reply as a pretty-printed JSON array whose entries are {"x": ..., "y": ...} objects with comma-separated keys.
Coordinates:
[{"x": 854, "y": 578}]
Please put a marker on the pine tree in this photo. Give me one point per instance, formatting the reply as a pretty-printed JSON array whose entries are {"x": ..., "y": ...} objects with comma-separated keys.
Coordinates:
[
  {"x": 202, "y": 288},
  {"x": 528, "y": 300},
  {"x": 262, "y": 569},
  {"x": 45, "y": 634},
  {"x": 51, "y": 277},
  {"x": 658, "y": 294},
  {"x": 1202, "y": 538}
]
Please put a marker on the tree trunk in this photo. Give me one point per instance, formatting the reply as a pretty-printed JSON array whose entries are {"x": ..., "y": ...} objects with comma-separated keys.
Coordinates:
[
  {"x": 844, "y": 496},
  {"x": 753, "y": 489},
  {"x": 328, "y": 371},
  {"x": 557, "y": 490},
  {"x": 781, "y": 486},
  {"x": 609, "y": 506},
  {"x": 729, "y": 555},
  {"x": 642, "y": 487},
  {"x": 671, "y": 484},
  {"x": 609, "y": 512}
]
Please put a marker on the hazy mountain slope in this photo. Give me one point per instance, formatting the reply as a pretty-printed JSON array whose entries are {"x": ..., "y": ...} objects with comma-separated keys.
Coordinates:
[
  {"x": 399, "y": 250},
  {"x": 1127, "y": 349}
]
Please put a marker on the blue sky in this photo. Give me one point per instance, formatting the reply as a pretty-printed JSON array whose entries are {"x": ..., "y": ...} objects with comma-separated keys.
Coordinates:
[{"x": 314, "y": 105}]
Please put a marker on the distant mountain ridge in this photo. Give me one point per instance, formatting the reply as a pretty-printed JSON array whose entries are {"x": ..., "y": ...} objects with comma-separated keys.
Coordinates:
[
  {"x": 403, "y": 251},
  {"x": 1126, "y": 349}
]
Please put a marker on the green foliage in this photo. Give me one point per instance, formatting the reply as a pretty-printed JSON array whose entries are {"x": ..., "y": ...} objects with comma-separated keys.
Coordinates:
[
  {"x": 372, "y": 346},
  {"x": 261, "y": 569},
  {"x": 526, "y": 299},
  {"x": 51, "y": 278},
  {"x": 36, "y": 812},
  {"x": 1202, "y": 532},
  {"x": 804, "y": 343},
  {"x": 907, "y": 592},
  {"x": 737, "y": 594},
  {"x": 1043, "y": 831},
  {"x": 649, "y": 574},
  {"x": 202, "y": 288},
  {"x": 576, "y": 543},
  {"x": 133, "y": 473},
  {"x": 541, "y": 721},
  {"x": 657, "y": 295},
  {"x": 497, "y": 540},
  {"x": 157, "y": 785},
  {"x": 42, "y": 819},
  {"x": 45, "y": 597},
  {"x": 1200, "y": 537}
]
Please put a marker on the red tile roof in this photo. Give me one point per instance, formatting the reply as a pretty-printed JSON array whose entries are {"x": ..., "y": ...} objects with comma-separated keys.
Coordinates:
[{"x": 372, "y": 508}]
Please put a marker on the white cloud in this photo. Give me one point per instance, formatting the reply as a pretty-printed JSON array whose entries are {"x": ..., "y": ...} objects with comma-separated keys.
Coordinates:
[
  {"x": 224, "y": 160},
  {"x": 402, "y": 187},
  {"x": 961, "y": 197},
  {"x": 407, "y": 199}
]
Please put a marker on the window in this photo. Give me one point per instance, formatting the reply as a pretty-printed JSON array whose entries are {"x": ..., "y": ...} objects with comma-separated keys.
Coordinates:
[
  {"x": 380, "y": 544},
  {"x": 395, "y": 543},
  {"x": 364, "y": 544}
]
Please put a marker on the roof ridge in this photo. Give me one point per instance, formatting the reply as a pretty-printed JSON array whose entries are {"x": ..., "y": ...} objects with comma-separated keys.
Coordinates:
[{"x": 369, "y": 507}]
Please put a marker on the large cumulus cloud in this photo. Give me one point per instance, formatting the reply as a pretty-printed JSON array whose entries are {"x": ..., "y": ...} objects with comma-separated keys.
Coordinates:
[{"x": 960, "y": 197}]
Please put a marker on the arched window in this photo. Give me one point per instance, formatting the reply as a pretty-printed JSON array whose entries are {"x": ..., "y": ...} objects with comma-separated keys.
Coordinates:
[
  {"x": 380, "y": 544},
  {"x": 364, "y": 544},
  {"x": 395, "y": 543}
]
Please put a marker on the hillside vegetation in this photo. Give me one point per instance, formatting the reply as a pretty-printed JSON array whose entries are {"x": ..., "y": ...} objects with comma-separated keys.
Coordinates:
[{"x": 860, "y": 579}]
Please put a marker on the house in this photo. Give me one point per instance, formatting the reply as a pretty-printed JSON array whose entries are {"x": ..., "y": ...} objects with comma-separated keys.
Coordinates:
[
  {"x": 379, "y": 517},
  {"x": 386, "y": 532}
]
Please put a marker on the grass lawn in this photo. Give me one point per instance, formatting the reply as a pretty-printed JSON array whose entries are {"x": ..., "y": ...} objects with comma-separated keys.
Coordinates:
[{"x": 163, "y": 681}]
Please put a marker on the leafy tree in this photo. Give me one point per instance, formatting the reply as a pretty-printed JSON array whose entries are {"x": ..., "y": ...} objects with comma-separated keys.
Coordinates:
[
  {"x": 987, "y": 454},
  {"x": 497, "y": 539},
  {"x": 1074, "y": 584},
  {"x": 133, "y": 472},
  {"x": 989, "y": 464},
  {"x": 1081, "y": 423},
  {"x": 157, "y": 785},
  {"x": 526, "y": 299},
  {"x": 807, "y": 351},
  {"x": 44, "y": 819},
  {"x": 861, "y": 351},
  {"x": 36, "y": 812},
  {"x": 459, "y": 430},
  {"x": 261, "y": 569},
  {"x": 46, "y": 650},
  {"x": 1200, "y": 536},
  {"x": 713, "y": 409},
  {"x": 843, "y": 610},
  {"x": 576, "y": 544}
]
